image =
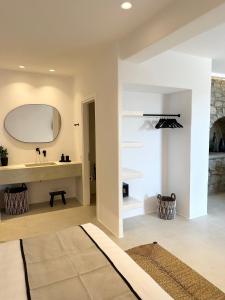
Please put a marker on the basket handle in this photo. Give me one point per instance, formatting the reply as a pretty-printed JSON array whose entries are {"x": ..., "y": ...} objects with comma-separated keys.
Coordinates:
[{"x": 173, "y": 196}]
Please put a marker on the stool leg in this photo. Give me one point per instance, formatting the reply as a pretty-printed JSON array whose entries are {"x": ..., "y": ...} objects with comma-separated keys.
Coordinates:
[
  {"x": 52, "y": 201},
  {"x": 63, "y": 199}
]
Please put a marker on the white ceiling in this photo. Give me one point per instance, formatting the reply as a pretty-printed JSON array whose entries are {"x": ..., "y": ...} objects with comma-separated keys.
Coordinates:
[
  {"x": 45, "y": 34},
  {"x": 210, "y": 44}
]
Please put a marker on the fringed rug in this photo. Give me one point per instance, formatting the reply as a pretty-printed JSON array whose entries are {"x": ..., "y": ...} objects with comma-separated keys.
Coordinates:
[{"x": 174, "y": 276}]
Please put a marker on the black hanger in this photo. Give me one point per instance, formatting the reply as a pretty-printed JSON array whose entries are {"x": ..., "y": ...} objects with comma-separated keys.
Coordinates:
[
  {"x": 178, "y": 124},
  {"x": 168, "y": 123},
  {"x": 172, "y": 123},
  {"x": 158, "y": 125}
]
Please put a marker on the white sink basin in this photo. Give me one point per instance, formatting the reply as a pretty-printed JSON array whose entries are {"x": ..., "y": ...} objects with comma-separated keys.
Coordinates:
[{"x": 45, "y": 164}]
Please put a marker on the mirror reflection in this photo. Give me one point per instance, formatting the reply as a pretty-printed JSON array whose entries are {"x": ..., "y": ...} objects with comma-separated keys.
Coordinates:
[{"x": 33, "y": 123}]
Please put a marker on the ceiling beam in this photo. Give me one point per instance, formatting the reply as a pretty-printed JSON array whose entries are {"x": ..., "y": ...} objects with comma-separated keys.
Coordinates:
[{"x": 172, "y": 26}]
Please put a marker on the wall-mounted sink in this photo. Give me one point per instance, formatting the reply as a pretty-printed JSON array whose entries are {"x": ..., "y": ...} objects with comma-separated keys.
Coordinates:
[{"x": 45, "y": 164}]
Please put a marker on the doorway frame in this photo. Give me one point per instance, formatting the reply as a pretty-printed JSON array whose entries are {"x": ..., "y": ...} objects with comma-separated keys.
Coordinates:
[{"x": 85, "y": 151}]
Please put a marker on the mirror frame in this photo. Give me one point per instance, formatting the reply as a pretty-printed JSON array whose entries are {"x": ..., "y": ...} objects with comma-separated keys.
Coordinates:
[{"x": 34, "y": 104}]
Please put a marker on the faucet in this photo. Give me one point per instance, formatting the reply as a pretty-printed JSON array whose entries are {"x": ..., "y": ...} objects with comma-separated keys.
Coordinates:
[{"x": 38, "y": 151}]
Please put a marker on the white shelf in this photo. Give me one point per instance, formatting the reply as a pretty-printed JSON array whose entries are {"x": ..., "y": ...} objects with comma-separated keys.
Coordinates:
[
  {"x": 131, "y": 203},
  {"x": 133, "y": 114},
  {"x": 131, "y": 174},
  {"x": 129, "y": 144},
  {"x": 132, "y": 207}
]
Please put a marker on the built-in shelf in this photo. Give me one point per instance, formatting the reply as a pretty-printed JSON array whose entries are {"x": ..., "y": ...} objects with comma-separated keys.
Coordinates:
[
  {"x": 131, "y": 174},
  {"x": 129, "y": 144},
  {"x": 133, "y": 114},
  {"x": 132, "y": 207},
  {"x": 131, "y": 203}
]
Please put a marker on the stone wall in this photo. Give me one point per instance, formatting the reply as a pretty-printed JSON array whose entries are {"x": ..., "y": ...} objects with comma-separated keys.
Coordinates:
[
  {"x": 217, "y": 161},
  {"x": 217, "y": 100},
  {"x": 216, "y": 173}
]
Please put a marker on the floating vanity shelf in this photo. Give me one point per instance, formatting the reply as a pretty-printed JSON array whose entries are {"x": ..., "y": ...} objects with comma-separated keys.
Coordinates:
[
  {"x": 133, "y": 114},
  {"x": 132, "y": 144},
  {"x": 131, "y": 174},
  {"x": 39, "y": 172}
]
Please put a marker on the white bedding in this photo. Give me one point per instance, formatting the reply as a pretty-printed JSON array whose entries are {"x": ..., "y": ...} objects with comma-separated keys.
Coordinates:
[
  {"x": 141, "y": 282},
  {"x": 12, "y": 282}
]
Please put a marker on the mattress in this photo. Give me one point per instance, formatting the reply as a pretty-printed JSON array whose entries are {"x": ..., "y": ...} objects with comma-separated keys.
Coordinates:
[{"x": 79, "y": 262}]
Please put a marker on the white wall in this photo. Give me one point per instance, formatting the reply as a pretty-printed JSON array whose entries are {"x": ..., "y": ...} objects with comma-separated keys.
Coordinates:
[
  {"x": 148, "y": 159},
  {"x": 18, "y": 88},
  {"x": 177, "y": 151},
  {"x": 39, "y": 191},
  {"x": 173, "y": 69},
  {"x": 98, "y": 78}
]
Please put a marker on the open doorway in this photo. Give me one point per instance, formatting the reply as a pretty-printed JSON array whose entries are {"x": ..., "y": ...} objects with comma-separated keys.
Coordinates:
[
  {"x": 89, "y": 153},
  {"x": 92, "y": 152}
]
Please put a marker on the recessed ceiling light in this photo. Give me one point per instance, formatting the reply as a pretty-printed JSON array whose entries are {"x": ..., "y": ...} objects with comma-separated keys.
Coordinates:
[
  {"x": 126, "y": 5},
  {"x": 22, "y": 67},
  {"x": 51, "y": 70}
]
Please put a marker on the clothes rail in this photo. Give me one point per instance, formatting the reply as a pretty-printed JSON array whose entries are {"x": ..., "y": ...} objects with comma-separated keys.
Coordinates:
[{"x": 161, "y": 115}]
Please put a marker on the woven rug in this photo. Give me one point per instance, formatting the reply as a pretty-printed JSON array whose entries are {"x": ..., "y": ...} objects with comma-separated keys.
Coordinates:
[{"x": 174, "y": 276}]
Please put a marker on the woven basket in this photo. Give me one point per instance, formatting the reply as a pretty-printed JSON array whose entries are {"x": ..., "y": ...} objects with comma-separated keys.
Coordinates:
[
  {"x": 16, "y": 200},
  {"x": 167, "y": 207}
]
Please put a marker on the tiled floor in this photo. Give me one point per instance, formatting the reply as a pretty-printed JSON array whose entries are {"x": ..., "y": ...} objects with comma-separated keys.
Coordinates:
[
  {"x": 199, "y": 242},
  {"x": 37, "y": 224},
  {"x": 44, "y": 207}
]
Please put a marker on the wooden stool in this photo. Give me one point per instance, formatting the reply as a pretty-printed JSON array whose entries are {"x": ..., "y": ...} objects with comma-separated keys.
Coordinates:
[{"x": 53, "y": 194}]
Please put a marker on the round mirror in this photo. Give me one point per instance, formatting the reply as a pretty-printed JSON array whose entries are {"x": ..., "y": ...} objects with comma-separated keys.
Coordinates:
[{"x": 33, "y": 123}]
